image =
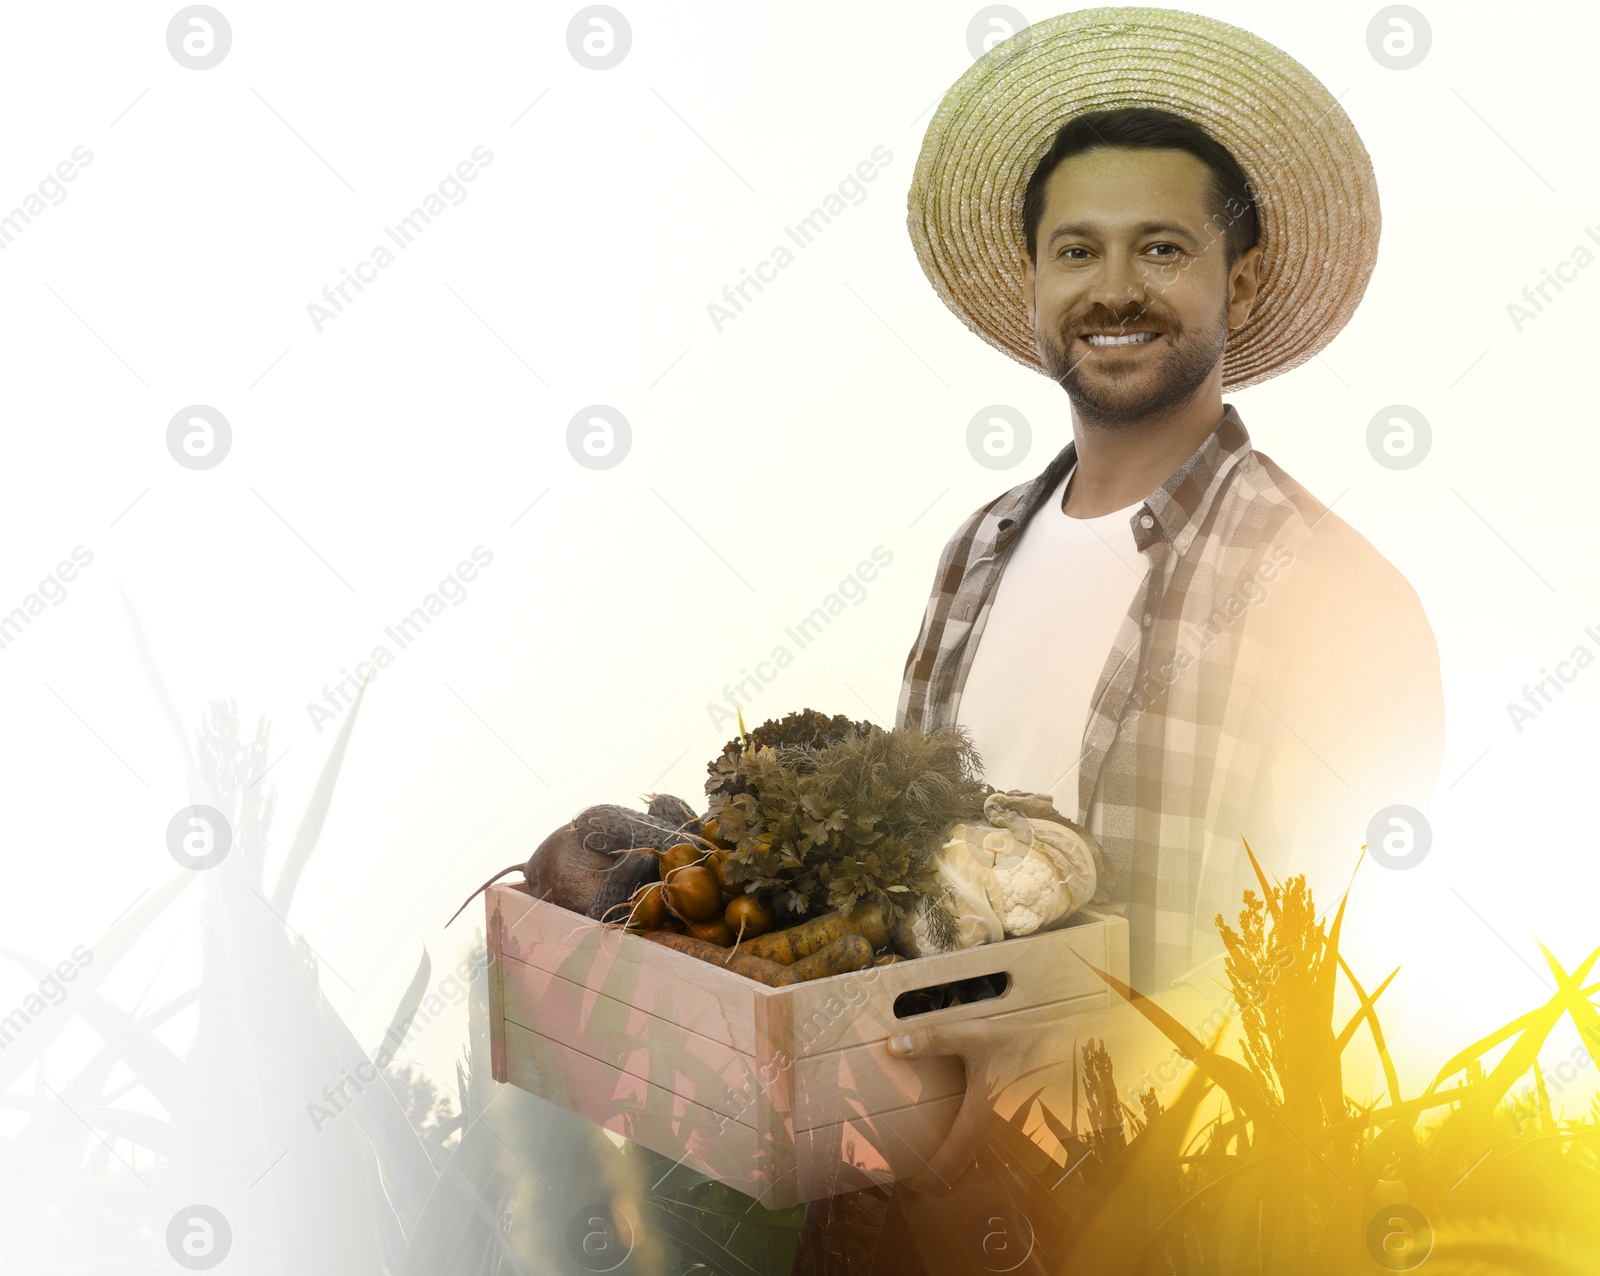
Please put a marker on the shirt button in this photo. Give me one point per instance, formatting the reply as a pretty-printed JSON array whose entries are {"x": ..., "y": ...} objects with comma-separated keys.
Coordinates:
[
  {"x": 1146, "y": 522},
  {"x": 1147, "y": 620}
]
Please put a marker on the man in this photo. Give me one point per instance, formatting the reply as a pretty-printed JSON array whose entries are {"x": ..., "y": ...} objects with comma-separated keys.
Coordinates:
[{"x": 1163, "y": 629}]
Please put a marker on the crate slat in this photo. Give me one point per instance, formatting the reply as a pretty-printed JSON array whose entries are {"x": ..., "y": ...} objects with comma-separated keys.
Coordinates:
[
  {"x": 840, "y": 1084},
  {"x": 631, "y": 1039},
  {"x": 786, "y": 1094},
  {"x": 868, "y": 1152},
  {"x": 844, "y": 1010},
  {"x": 669, "y": 984},
  {"x": 662, "y": 1121}
]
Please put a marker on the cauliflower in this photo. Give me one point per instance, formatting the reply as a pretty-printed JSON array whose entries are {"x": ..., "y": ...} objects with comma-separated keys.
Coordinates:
[
  {"x": 966, "y": 911},
  {"x": 1046, "y": 869},
  {"x": 1011, "y": 876},
  {"x": 1025, "y": 890}
]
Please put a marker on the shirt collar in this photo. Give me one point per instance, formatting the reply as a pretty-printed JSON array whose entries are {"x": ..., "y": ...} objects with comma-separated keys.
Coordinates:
[{"x": 1174, "y": 511}]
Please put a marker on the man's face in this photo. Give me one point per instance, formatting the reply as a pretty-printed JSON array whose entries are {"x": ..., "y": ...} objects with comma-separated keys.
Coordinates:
[{"x": 1129, "y": 245}]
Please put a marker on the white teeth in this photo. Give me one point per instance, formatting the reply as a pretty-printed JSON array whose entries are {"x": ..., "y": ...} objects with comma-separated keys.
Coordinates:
[{"x": 1132, "y": 339}]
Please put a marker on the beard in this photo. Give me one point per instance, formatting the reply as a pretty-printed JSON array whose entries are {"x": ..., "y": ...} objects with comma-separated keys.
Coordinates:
[{"x": 1118, "y": 396}]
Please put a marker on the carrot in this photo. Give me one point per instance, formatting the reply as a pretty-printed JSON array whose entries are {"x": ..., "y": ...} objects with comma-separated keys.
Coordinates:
[
  {"x": 848, "y": 952},
  {"x": 766, "y": 972},
  {"x": 798, "y": 942}
]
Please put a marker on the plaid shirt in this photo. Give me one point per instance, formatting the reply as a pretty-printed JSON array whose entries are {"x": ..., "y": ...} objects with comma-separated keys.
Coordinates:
[{"x": 1173, "y": 766}]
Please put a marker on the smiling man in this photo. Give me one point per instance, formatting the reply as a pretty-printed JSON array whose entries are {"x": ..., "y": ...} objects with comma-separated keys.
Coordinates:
[
  {"x": 1116, "y": 218},
  {"x": 1163, "y": 629}
]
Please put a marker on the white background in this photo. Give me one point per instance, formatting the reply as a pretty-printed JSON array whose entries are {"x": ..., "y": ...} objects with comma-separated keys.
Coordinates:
[{"x": 767, "y": 460}]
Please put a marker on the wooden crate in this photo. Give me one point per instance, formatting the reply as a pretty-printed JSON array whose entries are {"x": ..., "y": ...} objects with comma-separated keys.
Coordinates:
[{"x": 786, "y": 1094}]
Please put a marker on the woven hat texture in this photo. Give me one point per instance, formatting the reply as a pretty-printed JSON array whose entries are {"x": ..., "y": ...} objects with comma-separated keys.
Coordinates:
[{"x": 1310, "y": 175}]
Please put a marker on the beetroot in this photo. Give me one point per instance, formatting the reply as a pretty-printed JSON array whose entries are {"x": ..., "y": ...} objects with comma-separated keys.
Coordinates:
[{"x": 570, "y": 866}]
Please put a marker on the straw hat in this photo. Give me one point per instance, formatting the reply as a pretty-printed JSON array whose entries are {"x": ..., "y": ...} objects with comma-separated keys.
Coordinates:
[{"x": 1316, "y": 197}]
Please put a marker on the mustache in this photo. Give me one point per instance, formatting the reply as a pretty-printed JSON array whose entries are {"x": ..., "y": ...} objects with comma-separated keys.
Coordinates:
[
  {"x": 1101, "y": 318},
  {"x": 1104, "y": 319}
]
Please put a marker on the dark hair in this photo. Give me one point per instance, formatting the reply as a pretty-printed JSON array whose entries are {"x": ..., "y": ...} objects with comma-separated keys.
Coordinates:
[{"x": 1151, "y": 129}]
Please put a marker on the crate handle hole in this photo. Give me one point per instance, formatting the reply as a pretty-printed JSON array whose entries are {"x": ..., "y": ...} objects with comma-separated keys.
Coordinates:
[{"x": 961, "y": 992}]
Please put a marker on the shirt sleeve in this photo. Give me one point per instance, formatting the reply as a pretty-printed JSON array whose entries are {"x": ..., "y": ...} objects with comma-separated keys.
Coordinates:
[{"x": 1355, "y": 717}]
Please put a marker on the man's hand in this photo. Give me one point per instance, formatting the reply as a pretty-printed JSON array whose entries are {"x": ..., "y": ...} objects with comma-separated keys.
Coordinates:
[
  {"x": 997, "y": 1052},
  {"x": 971, "y": 1041},
  {"x": 1037, "y": 1046}
]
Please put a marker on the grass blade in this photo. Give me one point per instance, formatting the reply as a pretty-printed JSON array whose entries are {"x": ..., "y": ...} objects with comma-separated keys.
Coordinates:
[
  {"x": 1368, "y": 1012},
  {"x": 404, "y": 1013},
  {"x": 316, "y": 814}
]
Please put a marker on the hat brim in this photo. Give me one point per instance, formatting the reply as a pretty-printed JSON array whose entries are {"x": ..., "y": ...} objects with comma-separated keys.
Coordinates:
[{"x": 1312, "y": 180}]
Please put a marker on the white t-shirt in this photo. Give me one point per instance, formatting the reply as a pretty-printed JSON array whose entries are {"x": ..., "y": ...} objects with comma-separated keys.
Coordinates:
[{"x": 1055, "y": 613}]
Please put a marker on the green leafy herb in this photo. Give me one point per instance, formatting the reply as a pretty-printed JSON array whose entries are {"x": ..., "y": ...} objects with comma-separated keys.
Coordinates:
[
  {"x": 824, "y": 825},
  {"x": 807, "y": 727}
]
